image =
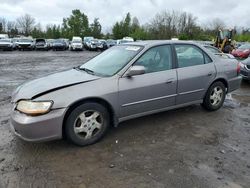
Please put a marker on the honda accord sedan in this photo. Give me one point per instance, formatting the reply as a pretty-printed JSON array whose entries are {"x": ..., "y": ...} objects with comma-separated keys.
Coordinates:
[{"x": 124, "y": 82}]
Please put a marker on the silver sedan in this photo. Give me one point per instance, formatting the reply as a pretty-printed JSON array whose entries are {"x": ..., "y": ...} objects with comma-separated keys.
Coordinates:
[{"x": 124, "y": 82}]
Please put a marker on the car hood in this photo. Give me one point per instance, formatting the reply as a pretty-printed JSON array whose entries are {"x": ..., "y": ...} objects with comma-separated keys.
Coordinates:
[{"x": 50, "y": 83}]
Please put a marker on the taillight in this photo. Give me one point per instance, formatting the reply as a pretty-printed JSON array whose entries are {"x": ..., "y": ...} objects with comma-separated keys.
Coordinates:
[{"x": 238, "y": 68}]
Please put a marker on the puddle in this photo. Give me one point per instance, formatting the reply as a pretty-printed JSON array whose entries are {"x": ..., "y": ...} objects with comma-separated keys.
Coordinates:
[{"x": 230, "y": 102}]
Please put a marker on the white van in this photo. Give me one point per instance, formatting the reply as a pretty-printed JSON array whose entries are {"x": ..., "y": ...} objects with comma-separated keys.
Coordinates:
[
  {"x": 124, "y": 40},
  {"x": 76, "y": 44},
  {"x": 4, "y": 36}
]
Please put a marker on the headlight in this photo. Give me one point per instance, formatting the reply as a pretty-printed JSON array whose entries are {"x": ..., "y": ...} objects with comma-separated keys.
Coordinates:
[{"x": 34, "y": 107}]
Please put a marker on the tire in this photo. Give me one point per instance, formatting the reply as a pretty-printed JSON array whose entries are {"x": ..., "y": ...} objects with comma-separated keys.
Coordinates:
[
  {"x": 87, "y": 124},
  {"x": 215, "y": 96}
]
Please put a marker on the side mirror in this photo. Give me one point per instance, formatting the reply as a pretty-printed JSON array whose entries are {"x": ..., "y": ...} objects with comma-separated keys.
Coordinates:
[{"x": 135, "y": 70}]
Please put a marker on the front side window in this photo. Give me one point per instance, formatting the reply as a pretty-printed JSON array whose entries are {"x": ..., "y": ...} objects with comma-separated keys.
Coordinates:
[
  {"x": 156, "y": 59},
  {"x": 189, "y": 55}
]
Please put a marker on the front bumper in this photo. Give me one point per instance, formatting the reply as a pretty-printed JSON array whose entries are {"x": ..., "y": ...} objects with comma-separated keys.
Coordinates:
[
  {"x": 38, "y": 128},
  {"x": 59, "y": 47},
  {"x": 6, "y": 47},
  {"x": 25, "y": 47},
  {"x": 41, "y": 47},
  {"x": 245, "y": 74}
]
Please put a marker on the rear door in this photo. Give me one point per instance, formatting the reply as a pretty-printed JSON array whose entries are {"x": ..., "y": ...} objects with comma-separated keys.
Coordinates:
[
  {"x": 195, "y": 73},
  {"x": 152, "y": 91}
]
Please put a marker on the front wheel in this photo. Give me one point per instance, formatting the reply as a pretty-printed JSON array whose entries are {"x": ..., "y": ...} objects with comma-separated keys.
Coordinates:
[
  {"x": 87, "y": 124},
  {"x": 215, "y": 96}
]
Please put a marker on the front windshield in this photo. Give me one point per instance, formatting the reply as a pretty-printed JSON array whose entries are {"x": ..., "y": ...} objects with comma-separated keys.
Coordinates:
[
  {"x": 245, "y": 47},
  {"x": 112, "y": 60},
  {"x": 58, "y": 41}
]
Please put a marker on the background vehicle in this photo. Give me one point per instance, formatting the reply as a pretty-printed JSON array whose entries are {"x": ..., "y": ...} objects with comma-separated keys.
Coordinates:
[
  {"x": 6, "y": 44},
  {"x": 25, "y": 43},
  {"x": 245, "y": 69},
  {"x": 76, "y": 44},
  {"x": 111, "y": 42},
  {"x": 41, "y": 44},
  {"x": 242, "y": 52},
  {"x": 102, "y": 45},
  {"x": 125, "y": 40},
  {"x": 4, "y": 36},
  {"x": 140, "y": 79},
  {"x": 67, "y": 42},
  {"x": 92, "y": 44},
  {"x": 86, "y": 42},
  {"x": 224, "y": 40},
  {"x": 50, "y": 43},
  {"x": 59, "y": 44},
  {"x": 15, "y": 42}
]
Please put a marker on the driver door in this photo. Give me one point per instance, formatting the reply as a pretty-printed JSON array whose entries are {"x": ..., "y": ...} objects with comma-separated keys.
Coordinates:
[{"x": 152, "y": 91}]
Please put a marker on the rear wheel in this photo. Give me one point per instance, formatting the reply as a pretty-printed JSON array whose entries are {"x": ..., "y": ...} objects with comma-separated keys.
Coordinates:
[
  {"x": 215, "y": 96},
  {"x": 87, "y": 124}
]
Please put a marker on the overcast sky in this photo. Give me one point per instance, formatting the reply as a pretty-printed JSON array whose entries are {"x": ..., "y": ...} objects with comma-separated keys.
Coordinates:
[{"x": 233, "y": 12}]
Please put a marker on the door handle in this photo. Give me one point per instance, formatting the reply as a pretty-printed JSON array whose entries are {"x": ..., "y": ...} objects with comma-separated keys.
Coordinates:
[
  {"x": 210, "y": 74},
  {"x": 169, "y": 81}
]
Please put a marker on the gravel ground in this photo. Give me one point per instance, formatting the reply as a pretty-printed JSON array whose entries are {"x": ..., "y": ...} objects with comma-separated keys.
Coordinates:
[{"x": 187, "y": 147}]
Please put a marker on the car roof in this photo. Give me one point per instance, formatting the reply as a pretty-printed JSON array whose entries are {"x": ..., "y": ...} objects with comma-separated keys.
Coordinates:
[{"x": 159, "y": 42}]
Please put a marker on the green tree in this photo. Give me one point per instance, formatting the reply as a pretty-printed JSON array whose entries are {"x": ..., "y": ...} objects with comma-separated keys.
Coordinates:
[
  {"x": 76, "y": 25},
  {"x": 140, "y": 34},
  {"x": 117, "y": 30},
  {"x": 127, "y": 25},
  {"x": 96, "y": 28},
  {"x": 37, "y": 32},
  {"x": 123, "y": 28}
]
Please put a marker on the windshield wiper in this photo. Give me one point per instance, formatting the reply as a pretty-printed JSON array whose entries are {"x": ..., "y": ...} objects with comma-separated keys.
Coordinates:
[{"x": 85, "y": 70}]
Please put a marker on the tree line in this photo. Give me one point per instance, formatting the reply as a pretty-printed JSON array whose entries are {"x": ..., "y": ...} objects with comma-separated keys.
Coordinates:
[{"x": 164, "y": 25}]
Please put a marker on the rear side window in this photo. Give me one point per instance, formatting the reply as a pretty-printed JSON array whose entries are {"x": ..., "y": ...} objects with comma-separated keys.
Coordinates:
[{"x": 190, "y": 55}]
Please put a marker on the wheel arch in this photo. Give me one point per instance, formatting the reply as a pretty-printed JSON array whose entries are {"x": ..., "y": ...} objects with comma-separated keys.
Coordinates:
[
  {"x": 223, "y": 80},
  {"x": 105, "y": 103}
]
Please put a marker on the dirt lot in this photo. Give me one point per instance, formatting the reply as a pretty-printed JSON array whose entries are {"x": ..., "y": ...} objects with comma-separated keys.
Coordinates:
[{"x": 187, "y": 148}]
